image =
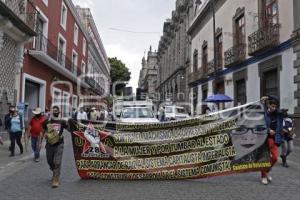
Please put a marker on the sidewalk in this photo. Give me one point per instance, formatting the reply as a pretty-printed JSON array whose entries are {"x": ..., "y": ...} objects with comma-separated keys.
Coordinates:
[{"x": 6, "y": 161}]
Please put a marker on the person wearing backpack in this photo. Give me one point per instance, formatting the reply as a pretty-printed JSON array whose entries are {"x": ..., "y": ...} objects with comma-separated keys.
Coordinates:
[
  {"x": 14, "y": 125},
  {"x": 54, "y": 128}
]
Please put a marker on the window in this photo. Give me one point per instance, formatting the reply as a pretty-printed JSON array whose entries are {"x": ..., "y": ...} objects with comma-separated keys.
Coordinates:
[
  {"x": 75, "y": 34},
  {"x": 219, "y": 51},
  {"x": 270, "y": 83},
  {"x": 84, "y": 46},
  {"x": 40, "y": 34},
  {"x": 195, "y": 61},
  {"x": 66, "y": 108},
  {"x": 64, "y": 14},
  {"x": 74, "y": 62},
  {"x": 240, "y": 30},
  {"x": 240, "y": 90},
  {"x": 61, "y": 50},
  {"x": 271, "y": 12},
  {"x": 204, "y": 59},
  {"x": 83, "y": 68},
  {"x": 74, "y": 101},
  {"x": 56, "y": 95},
  {"x": 40, "y": 41}
]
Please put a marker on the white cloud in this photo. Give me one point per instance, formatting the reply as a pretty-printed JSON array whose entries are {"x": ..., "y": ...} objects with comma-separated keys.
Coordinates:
[
  {"x": 84, "y": 3},
  {"x": 131, "y": 59}
]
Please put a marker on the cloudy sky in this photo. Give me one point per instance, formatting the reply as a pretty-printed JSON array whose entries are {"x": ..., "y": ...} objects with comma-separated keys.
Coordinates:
[{"x": 128, "y": 27}]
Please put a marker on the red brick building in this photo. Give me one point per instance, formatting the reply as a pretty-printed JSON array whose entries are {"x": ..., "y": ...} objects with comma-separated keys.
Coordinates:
[{"x": 55, "y": 62}]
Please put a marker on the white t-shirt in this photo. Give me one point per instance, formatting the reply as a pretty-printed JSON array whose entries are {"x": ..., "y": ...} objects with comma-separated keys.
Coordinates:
[{"x": 82, "y": 116}]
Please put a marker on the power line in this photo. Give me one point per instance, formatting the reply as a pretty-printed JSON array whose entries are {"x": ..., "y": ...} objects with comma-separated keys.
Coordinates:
[{"x": 135, "y": 32}]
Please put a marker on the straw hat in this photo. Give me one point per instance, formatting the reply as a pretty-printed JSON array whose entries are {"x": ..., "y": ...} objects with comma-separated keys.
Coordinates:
[{"x": 37, "y": 111}]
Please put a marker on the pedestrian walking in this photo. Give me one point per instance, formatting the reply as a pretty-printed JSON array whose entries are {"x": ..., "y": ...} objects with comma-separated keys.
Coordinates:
[
  {"x": 162, "y": 114},
  {"x": 274, "y": 122},
  {"x": 94, "y": 115},
  {"x": 6, "y": 119},
  {"x": 54, "y": 128},
  {"x": 81, "y": 115},
  {"x": 289, "y": 135},
  {"x": 35, "y": 131},
  {"x": 14, "y": 123}
]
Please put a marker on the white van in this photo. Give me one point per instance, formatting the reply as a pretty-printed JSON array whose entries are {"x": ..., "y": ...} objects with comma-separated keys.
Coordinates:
[
  {"x": 175, "y": 113},
  {"x": 137, "y": 114}
]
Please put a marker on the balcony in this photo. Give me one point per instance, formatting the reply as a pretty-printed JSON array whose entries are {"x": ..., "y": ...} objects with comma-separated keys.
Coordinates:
[
  {"x": 235, "y": 55},
  {"x": 194, "y": 76},
  {"x": 211, "y": 66},
  {"x": 263, "y": 39},
  {"x": 46, "y": 52},
  {"x": 22, "y": 13}
]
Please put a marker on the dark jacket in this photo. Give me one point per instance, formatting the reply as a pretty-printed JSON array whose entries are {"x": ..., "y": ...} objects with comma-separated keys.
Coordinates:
[
  {"x": 8, "y": 122},
  {"x": 278, "y": 136}
]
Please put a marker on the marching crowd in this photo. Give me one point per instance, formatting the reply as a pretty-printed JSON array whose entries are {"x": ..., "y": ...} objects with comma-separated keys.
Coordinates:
[{"x": 50, "y": 127}]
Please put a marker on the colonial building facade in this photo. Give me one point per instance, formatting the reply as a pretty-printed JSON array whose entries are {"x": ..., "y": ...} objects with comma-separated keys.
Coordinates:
[
  {"x": 148, "y": 76},
  {"x": 98, "y": 67},
  {"x": 17, "y": 27},
  {"x": 247, "y": 55},
  {"x": 57, "y": 61},
  {"x": 174, "y": 55}
]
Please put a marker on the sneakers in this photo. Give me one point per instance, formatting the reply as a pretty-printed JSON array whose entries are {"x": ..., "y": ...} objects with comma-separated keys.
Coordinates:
[
  {"x": 36, "y": 160},
  {"x": 55, "y": 181},
  {"x": 270, "y": 179},
  {"x": 264, "y": 181}
]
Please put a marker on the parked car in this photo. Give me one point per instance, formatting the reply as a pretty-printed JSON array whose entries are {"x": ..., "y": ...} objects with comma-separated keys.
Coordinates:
[
  {"x": 137, "y": 115},
  {"x": 175, "y": 113}
]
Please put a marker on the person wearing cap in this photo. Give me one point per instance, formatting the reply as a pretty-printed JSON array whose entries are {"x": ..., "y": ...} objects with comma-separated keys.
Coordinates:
[
  {"x": 14, "y": 125},
  {"x": 35, "y": 131},
  {"x": 274, "y": 121}
]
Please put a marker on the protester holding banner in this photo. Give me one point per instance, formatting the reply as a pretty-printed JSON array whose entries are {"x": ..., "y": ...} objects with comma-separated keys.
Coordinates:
[
  {"x": 54, "y": 128},
  {"x": 35, "y": 131},
  {"x": 274, "y": 123}
]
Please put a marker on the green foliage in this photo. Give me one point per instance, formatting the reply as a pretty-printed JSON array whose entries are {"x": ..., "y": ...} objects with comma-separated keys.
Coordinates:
[{"x": 118, "y": 72}]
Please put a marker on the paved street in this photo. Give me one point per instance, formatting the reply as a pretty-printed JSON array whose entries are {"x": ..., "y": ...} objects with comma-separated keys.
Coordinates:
[{"x": 21, "y": 178}]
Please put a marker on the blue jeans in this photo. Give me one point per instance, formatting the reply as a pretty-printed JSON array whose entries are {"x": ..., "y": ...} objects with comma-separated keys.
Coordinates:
[{"x": 35, "y": 147}]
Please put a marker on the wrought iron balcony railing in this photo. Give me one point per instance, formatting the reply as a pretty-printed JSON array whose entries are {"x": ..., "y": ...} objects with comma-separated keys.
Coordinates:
[
  {"x": 194, "y": 76},
  {"x": 263, "y": 39},
  {"x": 235, "y": 54},
  {"x": 43, "y": 44},
  {"x": 24, "y": 10},
  {"x": 211, "y": 66}
]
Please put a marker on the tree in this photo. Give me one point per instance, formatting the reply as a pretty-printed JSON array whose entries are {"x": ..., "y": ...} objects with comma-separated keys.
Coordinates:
[{"x": 118, "y": 72}]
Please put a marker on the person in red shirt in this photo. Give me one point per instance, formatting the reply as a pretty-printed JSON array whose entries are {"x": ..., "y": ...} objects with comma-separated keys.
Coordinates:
[{"x": 35, "y": 131}]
